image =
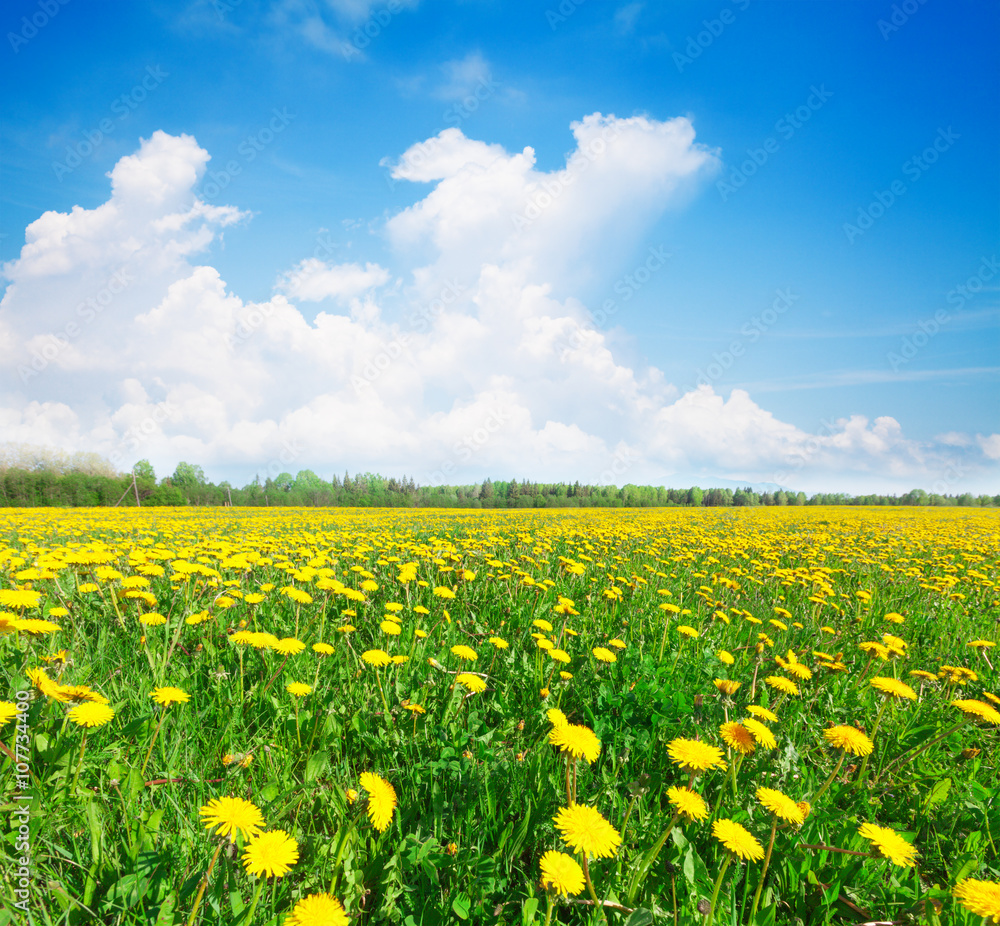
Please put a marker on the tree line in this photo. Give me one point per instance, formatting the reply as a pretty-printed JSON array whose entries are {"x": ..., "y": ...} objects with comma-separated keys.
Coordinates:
[{"x": 90, "y": 481}]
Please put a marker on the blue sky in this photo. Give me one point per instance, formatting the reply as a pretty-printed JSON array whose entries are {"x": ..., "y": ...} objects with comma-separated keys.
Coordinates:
[{"x": 821, "y": 310}]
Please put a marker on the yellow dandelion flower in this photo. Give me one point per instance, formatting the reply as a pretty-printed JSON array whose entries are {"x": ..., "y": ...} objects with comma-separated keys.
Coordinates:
[
  {"x": 689, "y": 804},
  {"x": 318, "y": 910},
  {"x": 781, "y": 805},
  {"x": 271, "y": 854},
  {"x": 850, "y": 739},
  {"x": 381, "y": 800},
  {"x": 890, "y": 844},
  {"x": 169, "y": 695},
  {"x": 736, "y": 839},
  {"x": 232, "y": 815},
  {"x": 562, "y": 873},
  {"x": 694, "y": 755},
  {"x": 584, "y": 830},
  {"x": 579, "y": 741}
]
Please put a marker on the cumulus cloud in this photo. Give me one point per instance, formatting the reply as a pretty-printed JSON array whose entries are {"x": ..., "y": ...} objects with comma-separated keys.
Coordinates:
[{"x": 118, "y": 340}]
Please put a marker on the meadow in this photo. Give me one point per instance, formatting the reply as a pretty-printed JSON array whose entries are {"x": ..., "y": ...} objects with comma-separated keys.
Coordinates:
[{"x": 323, "y": 716}]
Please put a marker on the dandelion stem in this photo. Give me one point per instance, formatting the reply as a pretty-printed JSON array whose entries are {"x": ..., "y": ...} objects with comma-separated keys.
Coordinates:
[
  {"x": 590, "y": 887},
  {"x": 878, "y": 721},
  {"x": 715, "y": 890},
  {"x": 203, "y": 885},
  {"x": 833, "y": 774},
  {"x": 79, "y": 764},
  {"x": 548, "y": 912},
  {"x": 152, "y": 742},
  {"x": 910, "y": 756},
  {"x": 763, "y": 871},
  {"x": 255, "y": 901}
]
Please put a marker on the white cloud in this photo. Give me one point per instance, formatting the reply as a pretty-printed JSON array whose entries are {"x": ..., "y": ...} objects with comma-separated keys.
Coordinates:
[
  {"x": 121, "y": 343},
  {"x": 312, "y": 280},
  {"x": 463, "y": 76}
]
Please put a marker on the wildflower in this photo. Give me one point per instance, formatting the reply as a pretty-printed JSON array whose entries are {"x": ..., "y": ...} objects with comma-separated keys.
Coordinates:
[
  {"x": 850, "y": 739},
  {"x": 324, "y": 649},
  {"x": 781, "y": 805},
  {"x": 760, "y": 733},
  {"x": 542, "y": 624},
  {"x": 473, "y": 682},
  {"x": 298, "y": 689},
  {"x": 890, "y": 844},
  {"x": 782, "y": 684},
  {"x": 90, "y": 714},
  {"x": 978, "y": 710},
  {"x": 725, "y": 657},
  {"x": 289, "y": 646},
  {"x": 169, "y": 695},
  {"x": 979, "y": 897},
  {"x": 694, "y": 755},
  {"x": 35, "y": 625},
  {"x": 559, "y": 655},
  {"x": 271, "y": 854},
  {"x": 499, "y": 642},
  {"x": 318, "y": 910},
  {"x": 604, "y": 655},
  {"x": 465, "y": 652},
  {"x": 763, "y": 713},
  {"x": 381, "y": 800},
  {"x": 232, "y": 815},
  {"x": 556, "y": 717},
  {"x": 153, "y": 619},
  {"x": 737, "y": 840},
  {"x": 297, "y": 595},
  {"x": 562, "y": 873},
  {"x": 727, "y": 686},
  {"x": 616, "y": 643},
  {"x": 893, "y": 687},
  {"x": 689, "y": 804},
  {"x": 687, "y": 631},
  {"x": 376, "y": 657},
  {"x": 391, "y": 628},
  {"x": 738, "y": 737},
  {"x": 579, "y": 741},
  {"x": 584, "y": 830},
  {"x": 8, "y": 711}
]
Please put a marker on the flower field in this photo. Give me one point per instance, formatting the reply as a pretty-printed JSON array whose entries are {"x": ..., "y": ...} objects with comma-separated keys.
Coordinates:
[{"x": 329, "y": 716}]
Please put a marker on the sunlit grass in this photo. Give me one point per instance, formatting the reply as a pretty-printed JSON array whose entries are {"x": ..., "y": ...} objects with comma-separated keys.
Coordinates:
[{"x": 308, "y": 660}]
